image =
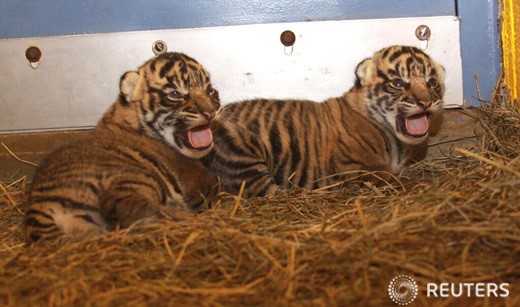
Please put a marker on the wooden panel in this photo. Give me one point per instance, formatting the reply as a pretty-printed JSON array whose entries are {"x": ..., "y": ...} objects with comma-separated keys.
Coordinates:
[
  {"x": 511, "y": 48},
  {"x": 31, "y": 147}
]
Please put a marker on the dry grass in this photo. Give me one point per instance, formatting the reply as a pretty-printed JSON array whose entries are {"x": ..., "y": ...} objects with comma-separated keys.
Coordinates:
[{"x": 455, "y": 219}]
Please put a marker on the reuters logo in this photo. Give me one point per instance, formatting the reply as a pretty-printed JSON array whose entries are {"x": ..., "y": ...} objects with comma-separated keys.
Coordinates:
[{"x": 402, "y": 290}]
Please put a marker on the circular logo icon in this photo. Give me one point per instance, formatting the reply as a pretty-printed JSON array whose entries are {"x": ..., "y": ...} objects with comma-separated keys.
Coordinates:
[{"x": 402, "y": 290}]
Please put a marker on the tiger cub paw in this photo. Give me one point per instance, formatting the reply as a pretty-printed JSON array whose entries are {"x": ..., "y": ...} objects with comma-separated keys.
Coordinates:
[{"x": 175, "y": 214}]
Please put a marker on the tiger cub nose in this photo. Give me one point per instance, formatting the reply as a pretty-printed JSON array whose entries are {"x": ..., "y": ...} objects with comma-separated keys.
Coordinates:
[
  {"x": 209, "y": 115},
  {"x": 425, "y": 103}
]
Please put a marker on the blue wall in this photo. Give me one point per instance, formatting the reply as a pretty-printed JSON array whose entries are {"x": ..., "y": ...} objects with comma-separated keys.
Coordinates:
[
  {"x": 59, "y": 17},
  {"x": 479, "y": 32},
  {"x": 480, "y": 47}
]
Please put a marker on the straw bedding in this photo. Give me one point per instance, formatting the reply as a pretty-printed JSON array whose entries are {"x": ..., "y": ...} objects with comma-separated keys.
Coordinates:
[{"x": 451, "y": 219}]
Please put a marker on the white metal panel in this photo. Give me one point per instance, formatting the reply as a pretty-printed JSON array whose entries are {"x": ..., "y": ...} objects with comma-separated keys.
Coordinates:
[{"x": 78, "y": 76}]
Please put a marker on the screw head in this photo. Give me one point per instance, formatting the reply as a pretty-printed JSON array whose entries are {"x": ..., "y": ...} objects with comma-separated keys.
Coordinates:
[
  {"x": 423, "y": 32},
  {"x": 287, "y": 38},
  {"x": 159, "y": 47},
  {"x": 33, "y": 54}
]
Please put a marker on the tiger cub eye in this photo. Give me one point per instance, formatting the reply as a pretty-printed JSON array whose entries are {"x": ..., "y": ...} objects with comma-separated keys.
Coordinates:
[
  {"x": 398, "y": 83},
  {"x": 432, "y": 82},
  {"x": 210, "y": 90},
  {"x": 175, "y": 96}
]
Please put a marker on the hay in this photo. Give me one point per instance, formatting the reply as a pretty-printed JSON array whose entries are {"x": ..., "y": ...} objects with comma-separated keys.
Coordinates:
[{"x": 452, "y": 219}]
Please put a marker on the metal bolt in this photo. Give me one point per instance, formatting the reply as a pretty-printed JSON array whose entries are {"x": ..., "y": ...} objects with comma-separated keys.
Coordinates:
[
  {"x": 33, "y": 54},
  {"x": 423, "y": 32},
  {"x": 159, "y": 47},
  {"x": 288, "y": 38}
]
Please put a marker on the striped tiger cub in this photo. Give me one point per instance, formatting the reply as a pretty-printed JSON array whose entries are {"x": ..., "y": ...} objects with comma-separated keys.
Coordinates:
[
  {"x": 140, "y": 162},
  {"x": 272, "y": 144}
]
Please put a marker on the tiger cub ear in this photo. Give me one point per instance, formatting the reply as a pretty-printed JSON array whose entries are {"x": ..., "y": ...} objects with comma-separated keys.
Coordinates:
[
  {"x": 364, "y": 71},
  {"x": 128, "y": 83},
  {"x": 440, "y": 71}
]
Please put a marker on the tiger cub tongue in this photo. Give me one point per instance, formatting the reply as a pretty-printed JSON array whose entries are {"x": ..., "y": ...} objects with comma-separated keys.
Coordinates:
[
  {"x": 416, "y": 124},
  {"x": 200, "y": 137}
]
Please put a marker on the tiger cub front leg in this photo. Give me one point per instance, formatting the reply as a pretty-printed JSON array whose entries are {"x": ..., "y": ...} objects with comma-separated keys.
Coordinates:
[
  {"x": 126, "y": 202},
  {"x": 239, "y": 156},
  {"x": 257, "y": 178}
]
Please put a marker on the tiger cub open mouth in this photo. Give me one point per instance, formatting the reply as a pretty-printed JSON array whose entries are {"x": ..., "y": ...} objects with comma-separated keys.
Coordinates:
[
  {"x": 198, "y": 138},
  {"x": 414, "y": 125}
]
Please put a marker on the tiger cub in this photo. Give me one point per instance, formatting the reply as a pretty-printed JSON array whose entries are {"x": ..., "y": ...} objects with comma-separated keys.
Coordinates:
[
  {"x": 271, "y": 144},
  {"x": 141, "y": 160}
]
